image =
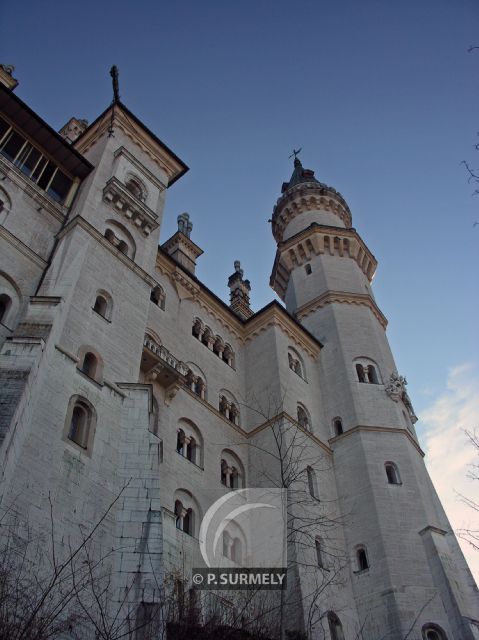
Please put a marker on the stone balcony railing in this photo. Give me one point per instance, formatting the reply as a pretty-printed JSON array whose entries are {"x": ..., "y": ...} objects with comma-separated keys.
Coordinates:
[{"x": 160, "y": 362}]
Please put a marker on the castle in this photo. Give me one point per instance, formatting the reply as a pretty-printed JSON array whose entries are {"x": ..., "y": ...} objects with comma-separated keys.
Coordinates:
[{"x": 132, "y": 397}]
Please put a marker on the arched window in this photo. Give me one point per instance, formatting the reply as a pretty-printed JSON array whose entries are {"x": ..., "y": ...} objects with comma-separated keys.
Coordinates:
[
  {"x": 367, "y": 371},
  {"x": 195, "y": 381},
  {"x": 335, "y": 627},
  {"x": 228, "y": 355},
  {"x": 218, "y": 346},
  {"x": 121, "y": 238},
  {"x": 319, "y": 554},
  {"x": 360, "y": 372},
  {"x": 100, "y": 306},
  {"x": 5, "y": 304},
  {"x": 197, "y": 328},
  {"x": 231, "y": 470},
  {"x": 224, "y": 476},
  {"x": 103, "y": 304},
  {"x": 157, "y": 296},
  {"x": 187, "y": 513},
  {"x": 207, "y": 337},
  {"x": 312, "y": 483},
  {"x": 372, "y": 375},
  {"x": 362, "y": 559},
  {"x": 337, "y": 426},
  {"x": 295, "y": 363},
  {"x": 307, "y": 268},
  {"x": 228, "y": 407},
  {"x": 303, "y": 418},
  {"x": 89, "y": 365},
  {"x": 392, "y": 473},
  {"x": 189, "y": 442},
  {"x": 433, "y": 631},
  {"x": 80, "y": 422}
]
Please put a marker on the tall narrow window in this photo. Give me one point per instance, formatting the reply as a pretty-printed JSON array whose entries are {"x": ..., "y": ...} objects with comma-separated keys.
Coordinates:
[
  {"x": 392, "y": 473},
  {"x": 362, "y": 559},
  {"x": 319, "y": 554},
  {"x": 335, "y": 627},
  {"x": 100, "y": 306},
  {"x": 372, "y": 375},
  {"x": 89, "y": 366},
  {"x": 303, "y": 418},
  {"x": 312, "y": 483},
  {"x": 80, "y": 423},
  {"x": 307, "y": 268},
  {"x": 360, "y": 372},
  {"x": 338, "y": 426}
]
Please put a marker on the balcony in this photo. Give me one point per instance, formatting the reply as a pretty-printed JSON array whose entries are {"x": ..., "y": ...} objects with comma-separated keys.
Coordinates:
[{"x": 160, "y": 365}]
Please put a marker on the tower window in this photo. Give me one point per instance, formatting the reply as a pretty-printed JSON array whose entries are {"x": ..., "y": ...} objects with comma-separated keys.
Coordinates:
[
  {"x": 319, "y": 555},
  {"x": 80, "y": 423},
  {"x": 312, "y": 483},
  {"x": 362, "y": 559},
  {"x": 307, "y": 268},
  {"x": 392, "y": 473},
  {"x": 100, "y": 306},
  {"x": 338, "y": 426},
  {"x": 367, "y": 371},
  {"x": 89, "y": 365},
  {"x": 360, "y": 372},
  {"x": 303, "y": 418},
  {"x": 158, "y": 297}
]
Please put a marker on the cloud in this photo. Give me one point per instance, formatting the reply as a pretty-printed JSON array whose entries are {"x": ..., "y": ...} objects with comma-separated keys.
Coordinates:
[{"x": 449, "y": 452}]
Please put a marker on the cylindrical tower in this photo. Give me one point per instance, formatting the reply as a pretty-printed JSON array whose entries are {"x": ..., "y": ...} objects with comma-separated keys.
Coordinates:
[{"x": 407, "y": 570}]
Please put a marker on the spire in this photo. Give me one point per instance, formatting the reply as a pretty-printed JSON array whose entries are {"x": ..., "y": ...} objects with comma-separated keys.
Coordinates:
[
  {"x": 239, "y": 296},
  {"x": 299, "y": 174},
  {"x": 181, "y": 247}
]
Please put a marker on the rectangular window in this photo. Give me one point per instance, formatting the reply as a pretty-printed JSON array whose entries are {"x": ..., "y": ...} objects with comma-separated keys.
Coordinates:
[
  {"x": 33, "y": 164},
  {"x": 28, "y": 160},
  {"x": 60, "y": 186},
  {"x": 46, "y": 176},
  {"x": 12, "y": 145}
]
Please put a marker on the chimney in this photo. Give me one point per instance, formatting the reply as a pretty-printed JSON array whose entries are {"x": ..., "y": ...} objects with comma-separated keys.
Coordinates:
[{"x": 239, "y": 296}]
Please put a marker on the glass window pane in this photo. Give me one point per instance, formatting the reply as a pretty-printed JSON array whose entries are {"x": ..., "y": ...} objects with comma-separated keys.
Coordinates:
[
  {"x": 29, "y": 160},
  {"x": 12, "y": 145},
  {"x": 4, "y": 127},
  {"x": 60, "y": 186},
  {"x": 46, "y": 175},
  {"x": 39, "y": 169}
]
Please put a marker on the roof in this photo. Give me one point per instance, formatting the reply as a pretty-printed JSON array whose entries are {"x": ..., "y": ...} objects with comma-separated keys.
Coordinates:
[
  {"x": 184, "y": 168},
  {"x": 43, "y": 134}
]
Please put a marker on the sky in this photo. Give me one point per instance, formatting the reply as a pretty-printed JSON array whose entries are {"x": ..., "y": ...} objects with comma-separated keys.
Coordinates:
[{"x": 381, "y": 96}]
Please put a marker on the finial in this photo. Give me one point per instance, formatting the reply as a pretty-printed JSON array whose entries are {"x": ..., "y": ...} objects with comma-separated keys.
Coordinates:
[
  {"x": 295, "y": 153},
  {"x": 116, "y": 87},
  {"x": 184, "y": 224}
]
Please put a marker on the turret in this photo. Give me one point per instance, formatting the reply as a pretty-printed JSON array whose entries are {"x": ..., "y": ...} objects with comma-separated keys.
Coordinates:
[{"x": 402, "y": 550}]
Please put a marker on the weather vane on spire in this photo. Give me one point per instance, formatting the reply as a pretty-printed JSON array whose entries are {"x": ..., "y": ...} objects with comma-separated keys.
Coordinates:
[
  {"x": 116, "y": 87},
  {"x": 296, "y": 152}
]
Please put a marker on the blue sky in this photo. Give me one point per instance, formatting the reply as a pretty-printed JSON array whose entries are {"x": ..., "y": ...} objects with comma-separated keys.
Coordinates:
[{"x": 381, "y": 96}]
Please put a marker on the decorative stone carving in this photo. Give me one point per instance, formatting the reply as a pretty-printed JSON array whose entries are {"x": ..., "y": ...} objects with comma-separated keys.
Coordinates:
[{"x": 396, "y": 390}]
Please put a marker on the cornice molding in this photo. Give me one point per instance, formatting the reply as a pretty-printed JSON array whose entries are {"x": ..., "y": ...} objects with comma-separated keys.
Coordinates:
[
  {"x": 137, "y": 134},
  {"x": 273, "y": 315},
  {"x": 340, "y": 297},
  {"x": 308, "y": 196},
  {"x": 22, "y": 247},
  {"x": 39, "y": 196},
  {"x": 316, "y": 240},
  {"x": 358, "y": 428}
]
